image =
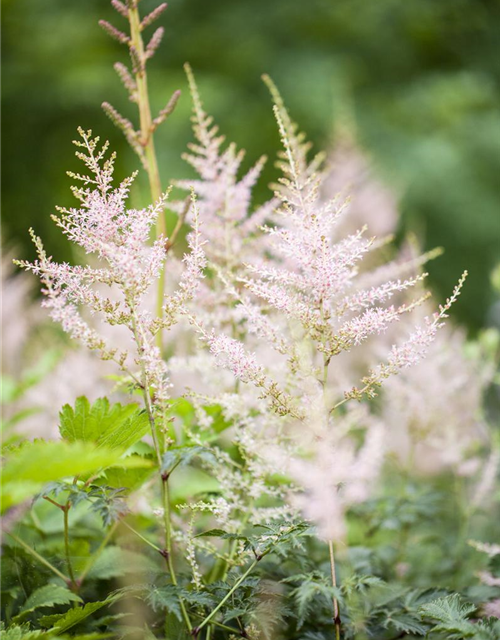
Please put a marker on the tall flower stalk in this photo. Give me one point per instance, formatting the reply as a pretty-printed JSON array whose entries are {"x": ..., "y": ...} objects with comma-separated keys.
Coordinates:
[
  {"x": 119, "y": 239},
  {"x": 136, "y": 84}
]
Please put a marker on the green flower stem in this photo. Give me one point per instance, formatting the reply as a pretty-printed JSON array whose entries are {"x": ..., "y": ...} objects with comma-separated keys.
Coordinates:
[
  {"x": 336, "y": 616},
  {"x": 146, "y": 120},
  {"x": 147, "y": 141},
  {"x": 66, "y": 545},
  {"x": 234, "y": 546},
  {"x": 228, "y": 594},
  {"x": 143, "y": 538},
  {"x": 167, "y": 552},
  {"x": 220, "y": 625},
  {"x": 168, "y": 547},
  {"x": 40, "y": 558}
]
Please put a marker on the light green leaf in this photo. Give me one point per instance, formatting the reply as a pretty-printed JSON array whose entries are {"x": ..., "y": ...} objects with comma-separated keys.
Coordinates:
[
  {"x": 103, "y": 424},
  {"x": 47, "y": 596},
  {"x": 34, "y": 464},
  {"x": 114, "y": 562},
  {"x": 128, "y": 478},
  {"x": 47, "y": 461},
  {"x": 452, "y": 615}
]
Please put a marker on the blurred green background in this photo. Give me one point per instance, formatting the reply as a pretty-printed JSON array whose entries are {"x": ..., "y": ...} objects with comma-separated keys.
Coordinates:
[{"x": 420, "y": 76}]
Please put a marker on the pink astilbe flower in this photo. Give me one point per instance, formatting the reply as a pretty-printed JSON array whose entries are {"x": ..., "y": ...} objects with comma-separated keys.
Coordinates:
[
  {"x": 409, "y": 352},
  {"x": 231, "y": 353},
  {"x": 335, "y": 477},
  {"x": 312, "y": 280},
  {"x": 305, "y": 296},
  {"x": 119, "y": 238},
  {"x": 223, "y": 199},
  {"x": 433, "y": 411},
  {"x": 350, "y": 173}
]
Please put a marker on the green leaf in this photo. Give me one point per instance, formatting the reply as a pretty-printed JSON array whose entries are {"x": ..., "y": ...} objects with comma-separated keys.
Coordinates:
[
  {"x": 59, "y": 623},
  {"x": 47, "y": 596},
  {"x": 184, "y": 455},
  {"x": 174, "y": 628},
  {"x": 112, "y": 426},
  {"x": 22, "y": 632},
  {"x": 33, "y": 464},
  {"x": 407, "y": 623},
  {"x": 128, "y": 478},
  {"x": 45, "y": 461},
  {"x": 308, "y": 593},
  {"x": 115, "y": 562},
  {"x": 452, "y": 615},
  {"x": 187, "y": 483},
  {"x": 165, "y": 598},
  {"x": 220, "y": 533}
]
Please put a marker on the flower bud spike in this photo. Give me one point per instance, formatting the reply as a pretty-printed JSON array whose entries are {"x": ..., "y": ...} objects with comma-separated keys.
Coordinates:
[
  {"x": 127, "y": 80},
  {"x": 167, "y": 109},
  {"x": 115, "y": 33},
  {"x": 120, "y": 8},
  {"x": 154, "y": 15},
  {"x": 154, "y": 43}
]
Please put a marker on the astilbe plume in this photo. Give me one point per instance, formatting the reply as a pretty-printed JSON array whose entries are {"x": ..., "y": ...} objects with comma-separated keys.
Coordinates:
[
  {"x": 119, "y": 238},
  {"x": 349, "y": 172},
  {"x": 312, "y": 280},
  {"x": 224, "y": 199},
  {"x": 41, "y": 381},
  {"x": 232, "y": 231},
  {"x": 304, "y": 300},
  {"x": 432, "y": 411}
]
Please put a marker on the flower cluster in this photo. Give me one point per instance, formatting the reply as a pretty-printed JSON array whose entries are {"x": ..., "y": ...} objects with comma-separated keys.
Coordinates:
[{"x": 118, "y": 238}]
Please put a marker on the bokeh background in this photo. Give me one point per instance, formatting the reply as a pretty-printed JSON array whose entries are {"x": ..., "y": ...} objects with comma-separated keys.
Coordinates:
[{"x": 417, "y": 80}]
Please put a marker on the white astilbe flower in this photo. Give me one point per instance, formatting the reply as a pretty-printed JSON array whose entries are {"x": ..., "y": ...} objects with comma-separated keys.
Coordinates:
[{"x": 119, "y": 238}]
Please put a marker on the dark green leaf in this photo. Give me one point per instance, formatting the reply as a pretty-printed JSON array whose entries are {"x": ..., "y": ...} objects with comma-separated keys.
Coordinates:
[{"x": 47, "y": 596}]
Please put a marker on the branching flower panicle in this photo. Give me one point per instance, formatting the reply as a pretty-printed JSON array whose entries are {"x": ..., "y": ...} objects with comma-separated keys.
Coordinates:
[{"x": 119, "y": 238}]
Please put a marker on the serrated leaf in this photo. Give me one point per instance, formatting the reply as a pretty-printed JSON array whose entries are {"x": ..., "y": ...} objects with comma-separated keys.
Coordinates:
[
  {"x": 213, "y": 533},
  {"x": 407, "y": 623},
  {"x": 128, "y": 478},
  {"x": 231, "y": 614},
  {"x": 452, "y": 616},
  {"x": 312, "y": 587},
  {"x": 111, "y": 426},
  {"x": 59, "y": 623},
  {"x": 200, "y": 598},
  {"x": 220, "y": 533},
  {"x": 447, "y": 609},
  {"x": 167, "y": 597},
  {"x": 47, "y": 596},
  {"x": 174, "y": 628}
]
